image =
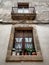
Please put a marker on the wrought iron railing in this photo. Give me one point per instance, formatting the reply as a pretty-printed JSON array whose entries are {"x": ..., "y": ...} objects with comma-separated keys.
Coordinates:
[{"x": 23, "y": 10}]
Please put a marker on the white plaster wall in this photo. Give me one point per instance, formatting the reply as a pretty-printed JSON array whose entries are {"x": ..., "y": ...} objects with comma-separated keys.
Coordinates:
[{"x": 43, "y": 34}]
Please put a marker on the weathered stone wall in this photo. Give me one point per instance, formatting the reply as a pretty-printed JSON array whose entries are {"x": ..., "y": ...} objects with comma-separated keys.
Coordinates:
[{"x": 41, "y": 6}]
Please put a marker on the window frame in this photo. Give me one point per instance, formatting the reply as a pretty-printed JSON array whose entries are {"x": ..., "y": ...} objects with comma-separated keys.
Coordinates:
[
  {"x": 23, "y": 34},
  {"x": 38, "y": 57}
]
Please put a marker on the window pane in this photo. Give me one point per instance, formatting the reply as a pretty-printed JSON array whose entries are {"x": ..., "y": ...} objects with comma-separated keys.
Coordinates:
[
  {"x": 26, "y": 40},
  {"x": 20, "y": 10},
  {"x": 30, "y": 39},
  {"x": 18, "y": 45},
  {"x": 28, "y": 45},
  {"x": 23, "y": 10},
  {"x": 18, "y": 39},
  {"x": 26, "y": 10}
]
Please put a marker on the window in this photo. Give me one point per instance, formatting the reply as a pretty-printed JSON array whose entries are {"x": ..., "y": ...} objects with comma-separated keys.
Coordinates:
[
  {"x": 23, "y": 10},
  {"x": 23, "y": 7},
  {"x": 23, "y": 45}
]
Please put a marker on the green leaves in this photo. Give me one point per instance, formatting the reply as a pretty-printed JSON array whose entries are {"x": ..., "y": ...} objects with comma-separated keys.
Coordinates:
[{"x": 30, "y": 49}]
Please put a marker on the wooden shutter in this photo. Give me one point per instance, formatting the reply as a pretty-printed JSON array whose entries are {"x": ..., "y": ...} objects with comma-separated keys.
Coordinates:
[{"x": 23, "y": 5}]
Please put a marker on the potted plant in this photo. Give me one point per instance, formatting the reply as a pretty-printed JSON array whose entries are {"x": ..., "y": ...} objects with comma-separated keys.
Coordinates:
[
  {"x": 33, "y": 52},
  {"x": 29, "y": 51},
  {"x": 13, "y": 52}
]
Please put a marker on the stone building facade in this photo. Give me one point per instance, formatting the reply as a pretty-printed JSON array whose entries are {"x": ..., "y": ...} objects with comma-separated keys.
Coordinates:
[{"x": 6, "y": 24}]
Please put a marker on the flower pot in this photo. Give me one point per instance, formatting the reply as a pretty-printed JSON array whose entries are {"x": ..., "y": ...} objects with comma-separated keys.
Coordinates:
[
  {"x": 33, "y": 53},
  {"x": 22, "y": 53},
  {"x": 25, "y": 53},
  {"x": 18, "y": 53},
  {"x": 13, "y": 53}
]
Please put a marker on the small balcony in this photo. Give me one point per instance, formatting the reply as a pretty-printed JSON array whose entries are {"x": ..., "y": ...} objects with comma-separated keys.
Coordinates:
[{"x": 23, "y": 13}]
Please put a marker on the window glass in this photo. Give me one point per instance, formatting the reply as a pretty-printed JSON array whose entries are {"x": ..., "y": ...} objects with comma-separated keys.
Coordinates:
[
  {"x": 30, "y": 39},
  {"x": 28, "y": 45},
  {"x": 18, "y": 39},
  {"x": 23, "y": 10},
  {"x": 18, "y": 45},
  {"x": 26, "y": 40},
  {"x": 23, "y": 41},
  {"x": 26, "y": 10},
  {"x": 20, "y": 10}
]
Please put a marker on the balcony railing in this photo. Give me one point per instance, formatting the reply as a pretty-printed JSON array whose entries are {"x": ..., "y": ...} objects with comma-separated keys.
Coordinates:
[{"x": 23, "y": 13}]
